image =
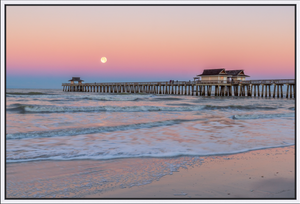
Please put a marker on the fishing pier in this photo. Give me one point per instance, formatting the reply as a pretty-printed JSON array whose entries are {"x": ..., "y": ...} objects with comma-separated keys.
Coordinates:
[
  {"x": 214, "y": 82},
  {"x": 259, "y": 88}
]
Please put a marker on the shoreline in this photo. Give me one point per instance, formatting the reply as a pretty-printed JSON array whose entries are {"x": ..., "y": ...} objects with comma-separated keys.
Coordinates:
[
  {"x": 148, "y": 157},
  {"x": 265, "y": 173}
]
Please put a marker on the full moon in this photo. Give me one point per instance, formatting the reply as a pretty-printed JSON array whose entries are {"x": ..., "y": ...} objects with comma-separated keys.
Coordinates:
[{"x": 103, "y": 59}]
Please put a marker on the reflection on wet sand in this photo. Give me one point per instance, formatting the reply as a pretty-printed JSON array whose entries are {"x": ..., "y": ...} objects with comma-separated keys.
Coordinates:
[{"x": 265, "y": 173}]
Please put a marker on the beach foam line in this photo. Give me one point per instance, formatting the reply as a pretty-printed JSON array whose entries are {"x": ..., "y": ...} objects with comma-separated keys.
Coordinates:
[
  {"x": 261, "y": 116},
  {"x": 56, "y": 109},
  {"x": 93, "y": 130},
  {"x": 26, "y": 93},
  {"x": 166, "y": 98},
  {"x": 180, "y": 104},
  {"x": 122, "y": 152},
  {"x": 240, "y": 107},
  {"x": 98, "y": 97},
  {"x": 52, "y": 109}
]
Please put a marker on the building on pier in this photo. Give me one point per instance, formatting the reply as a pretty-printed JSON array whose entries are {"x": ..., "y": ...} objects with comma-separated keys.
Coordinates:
[
  {"x": 237, "y": 75},
  {"x": 76, "y": 79},
  {"x": 214, "y": 75},
  {"x": 222, "y": 75}
]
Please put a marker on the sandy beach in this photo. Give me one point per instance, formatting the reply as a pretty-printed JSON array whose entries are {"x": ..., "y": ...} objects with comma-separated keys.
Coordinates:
[{"x": 267, "y": 173}]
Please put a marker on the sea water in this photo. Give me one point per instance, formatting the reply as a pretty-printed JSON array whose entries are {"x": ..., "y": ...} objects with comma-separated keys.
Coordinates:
[
  {"x": 167, "y": 131},
  {"x": 57, "y": 125}
]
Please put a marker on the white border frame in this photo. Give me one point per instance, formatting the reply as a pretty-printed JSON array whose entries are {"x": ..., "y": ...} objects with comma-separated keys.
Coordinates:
[{"x": 3, "y": 77}]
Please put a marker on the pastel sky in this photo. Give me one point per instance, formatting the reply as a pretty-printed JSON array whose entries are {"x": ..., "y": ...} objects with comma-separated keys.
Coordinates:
[{"x": 47, "y": 45}]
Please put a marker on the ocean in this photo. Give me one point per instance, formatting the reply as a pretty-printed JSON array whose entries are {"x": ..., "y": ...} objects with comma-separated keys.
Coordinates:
[{"x": 52, "y": 125}]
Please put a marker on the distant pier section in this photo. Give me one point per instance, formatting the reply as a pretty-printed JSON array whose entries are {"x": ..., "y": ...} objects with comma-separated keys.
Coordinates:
[{"x": 217, "y": 82}]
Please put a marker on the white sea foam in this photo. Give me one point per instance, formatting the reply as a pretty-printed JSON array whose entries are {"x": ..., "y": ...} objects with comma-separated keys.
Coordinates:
[
  {"x": 118, "y": 151},
  {"x": 262, "y": 116},
  {"x": 52, "y": 108},
  {"x": 168, "y": 139},
  {"x": 93, "y": 96},
  {"x": 70, "y": 136},
  {"x": 241, "y": 107},
  {"x": 92, "y": 130},
  {"x": 49, "y": 109}
]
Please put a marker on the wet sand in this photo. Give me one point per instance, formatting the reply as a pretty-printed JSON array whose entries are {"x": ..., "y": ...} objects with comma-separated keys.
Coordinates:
[{"x": 268, "y": 173}]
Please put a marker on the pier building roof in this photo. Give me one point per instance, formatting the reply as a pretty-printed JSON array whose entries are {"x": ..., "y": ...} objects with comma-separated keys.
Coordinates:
[
  {"x": 214, "y": 72},
  {"x": 236, "y": 73},
  {"x": 76, "y": 79}
]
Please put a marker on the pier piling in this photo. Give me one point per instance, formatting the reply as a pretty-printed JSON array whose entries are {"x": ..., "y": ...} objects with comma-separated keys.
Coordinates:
[{"x": 195, "y": 88}]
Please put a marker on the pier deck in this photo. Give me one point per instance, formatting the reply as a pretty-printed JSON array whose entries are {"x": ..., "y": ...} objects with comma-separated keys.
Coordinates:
[{"x": 260, "y": 88}]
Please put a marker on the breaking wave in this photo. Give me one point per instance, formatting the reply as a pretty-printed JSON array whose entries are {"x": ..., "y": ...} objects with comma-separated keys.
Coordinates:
[
  {"x": 56, "y": 109},
  {"x": 180, "y": 104},
  {"x": 98, "y": 97},
  {"x": 116, "y": 97},
  {"x": 93, "y": 130},
  {"x": 261, "y": 116},
  {"x": 239, "y": 107},
  {"x": 29, "y": 93},
  {"x": 117, "y": 151},
  {"x": 166, "y": 99},
  {"x": 53, "y": 109}
]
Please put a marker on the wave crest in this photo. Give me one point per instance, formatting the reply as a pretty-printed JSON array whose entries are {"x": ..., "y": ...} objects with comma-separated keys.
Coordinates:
[
  {"x": 28, "y": 93},
  {"x": 239, "y": 107},
  {"x": 93, "y": 130},
  {"x": 56, "y": 109},
  {"x": 261, "y": 116}
]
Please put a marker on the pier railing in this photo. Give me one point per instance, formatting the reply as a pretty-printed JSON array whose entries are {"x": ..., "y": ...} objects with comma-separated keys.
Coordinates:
[
  {"x": 208, "y": 82},
  {"x": 202, "y": 88},
  {"x": 270, "y": 81}
]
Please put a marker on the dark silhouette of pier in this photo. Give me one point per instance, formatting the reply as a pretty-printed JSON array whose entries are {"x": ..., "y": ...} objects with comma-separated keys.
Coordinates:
[{"x": 257, "y": 88}]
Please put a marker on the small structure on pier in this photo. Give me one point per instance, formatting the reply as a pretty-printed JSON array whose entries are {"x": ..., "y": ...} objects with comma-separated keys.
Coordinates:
[
  {"x": 198, "y": 78},
  {"x": 214, "y": 75},
  {"x": 237, "y": 74},
  {"x": 76, "y": 79},
  {"x": 222, "y": 75}
]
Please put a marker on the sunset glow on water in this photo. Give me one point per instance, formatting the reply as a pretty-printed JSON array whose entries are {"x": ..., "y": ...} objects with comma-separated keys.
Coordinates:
[{"x": 54, "y": 125}]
